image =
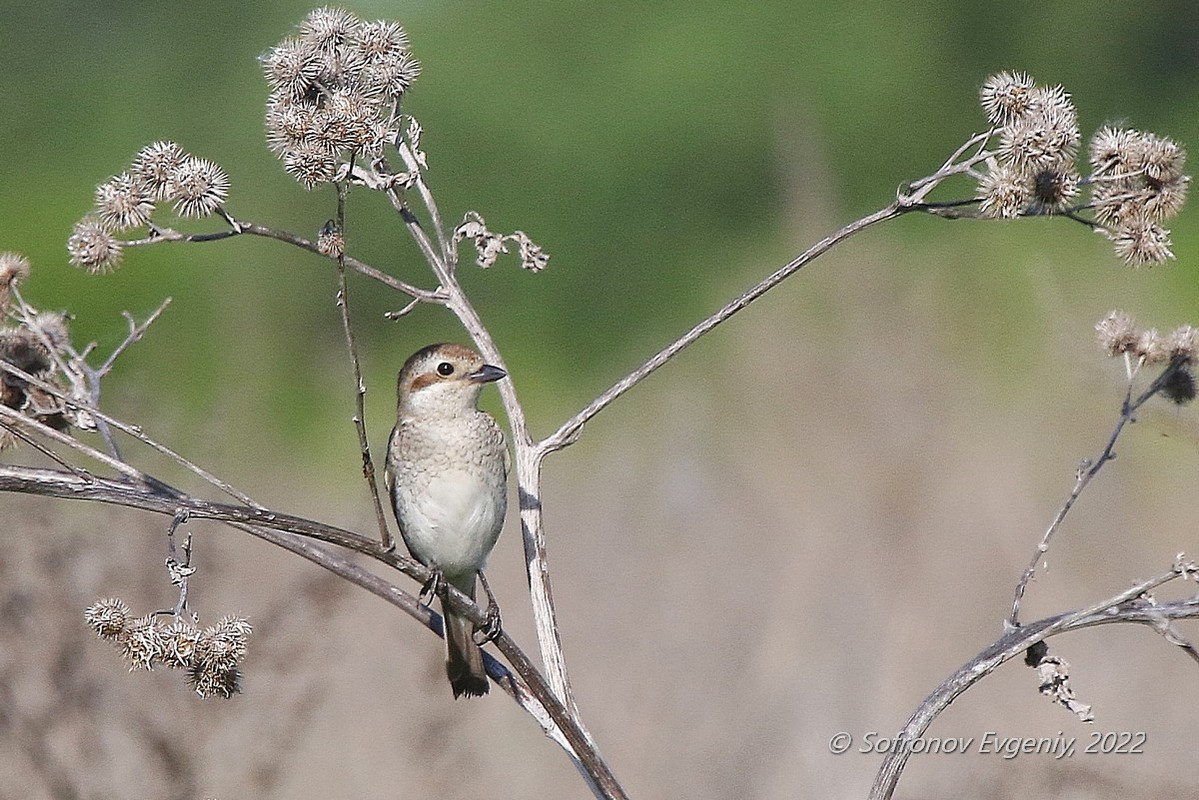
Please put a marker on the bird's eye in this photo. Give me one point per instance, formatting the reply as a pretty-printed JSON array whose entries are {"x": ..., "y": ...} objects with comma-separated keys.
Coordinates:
[{"x": 445, "y": 369}]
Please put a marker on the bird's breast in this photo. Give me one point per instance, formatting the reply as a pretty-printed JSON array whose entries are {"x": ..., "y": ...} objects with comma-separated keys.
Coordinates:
[{"x": 449, "y": 489}]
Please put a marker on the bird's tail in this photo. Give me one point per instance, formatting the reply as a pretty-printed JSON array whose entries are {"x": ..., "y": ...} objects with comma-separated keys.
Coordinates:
[{"x": 463, "y": 659}]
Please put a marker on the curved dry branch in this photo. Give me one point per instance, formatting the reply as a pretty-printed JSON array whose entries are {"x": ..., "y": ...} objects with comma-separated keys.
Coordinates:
[
  {"x": 132, "y": 430},
  {"x": 299, "y": 535},
  {"x": 569, "y": 431},
  {"x": 1119, "y": 608},
  {"x": 239, "y": 227},
  {"x": 527, "y": 455},
  {"x": 1086, "y": 473}
]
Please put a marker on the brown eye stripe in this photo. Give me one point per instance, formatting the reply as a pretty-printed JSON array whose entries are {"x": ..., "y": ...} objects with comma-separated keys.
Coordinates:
[{"x": 423, "y": 380}]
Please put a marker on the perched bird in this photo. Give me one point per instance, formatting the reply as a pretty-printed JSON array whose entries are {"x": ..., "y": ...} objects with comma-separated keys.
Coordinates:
[{"x": 447, "y": 476}]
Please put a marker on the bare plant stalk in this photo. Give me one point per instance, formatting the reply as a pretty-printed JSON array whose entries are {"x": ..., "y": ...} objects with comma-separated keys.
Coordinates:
[
  {"x": 10, "y": 423},
  {"x": 910, "y": 200},
  {"x": 93, "y": 376},
  {"x": 15, "y": 420},
  {"x": 293, "y": 534},
  {"x": 239, "y": 227},
  {"x": 569, "y": 431},
  {"x": 343, "y": 305},
  {"x": 132, "y": 430},
  {"x": 1086, "y": 473},
  {"x": 1175, "y": 638},
  {"x": 136, "y": 331},
  {"x": 1015, "y": 642}
]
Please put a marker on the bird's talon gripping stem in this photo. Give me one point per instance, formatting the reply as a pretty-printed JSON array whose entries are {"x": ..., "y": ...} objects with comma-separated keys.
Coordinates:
[
  {"x": 434, "y": 587},
  {"x": 492, "y": 625}
]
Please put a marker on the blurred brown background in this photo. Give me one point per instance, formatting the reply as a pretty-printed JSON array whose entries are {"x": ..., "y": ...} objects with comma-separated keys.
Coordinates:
[{"x": 799, "y": 527}]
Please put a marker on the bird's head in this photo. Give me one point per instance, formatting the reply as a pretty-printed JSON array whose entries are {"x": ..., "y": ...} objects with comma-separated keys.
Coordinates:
[{"x": 443, "y": 378}]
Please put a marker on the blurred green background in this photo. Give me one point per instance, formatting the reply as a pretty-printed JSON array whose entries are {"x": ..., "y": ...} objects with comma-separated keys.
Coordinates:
[{"x": 665, "y": 155}]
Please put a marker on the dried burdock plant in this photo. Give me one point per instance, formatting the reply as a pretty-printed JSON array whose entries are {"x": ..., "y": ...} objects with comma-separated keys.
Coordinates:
[
  {"x": 1027, "y": 165},
  {"x": 334, "y": 117}
]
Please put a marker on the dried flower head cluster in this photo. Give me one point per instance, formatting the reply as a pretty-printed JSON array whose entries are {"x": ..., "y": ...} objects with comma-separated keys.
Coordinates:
[
  {"x": 160, "y": 172},
  {"x": 490, "y": 246},
  {"x": 331, "y": 242},
  {"x": 336, "y": 87},
  {"x": 1033, "y": 170},
  {"x": 21, "y": 348},
  {"x": 38, "y": 344},
  {"x": 1137, "y": 184},
  {"x": 1136, "y": 178},
  {"x": 211, "y": 656},
  {"x": 14, "y": 268},
  {"x": 1177, "y": 350}
]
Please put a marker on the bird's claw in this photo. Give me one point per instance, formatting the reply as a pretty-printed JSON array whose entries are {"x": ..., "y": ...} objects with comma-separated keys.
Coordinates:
[
  {"x": 434, "y": 587},
  {"x": 491, "y": 626}
]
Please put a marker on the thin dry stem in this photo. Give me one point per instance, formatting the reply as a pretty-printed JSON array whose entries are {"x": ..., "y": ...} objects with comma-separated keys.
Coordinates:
[
  {"x": 10, "y": 422},
  {"x": 132, "y": 430},
  {"x": 910, "y": 199},
  {"x": 410, "y": 162},
  {"x": 286, "y": 531},
  {"x": 239, "y": 227},
  {"x": 13, "y": 420},
  {"x": 1086, "y": 473},
  {"x": 569, "y": 431},
  {"x": 136, "y": 331},
  {"x": 343, "y": 305},
  {"x": 1013, "y": 644}
]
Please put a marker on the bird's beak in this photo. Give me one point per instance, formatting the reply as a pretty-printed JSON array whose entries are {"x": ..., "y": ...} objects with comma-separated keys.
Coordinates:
[{"x": 486, "y": 374}]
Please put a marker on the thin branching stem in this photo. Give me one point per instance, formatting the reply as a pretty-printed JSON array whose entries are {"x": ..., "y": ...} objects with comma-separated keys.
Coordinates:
[
  {"x": 1014, "y": 643},
  {"x": 10, "y": 422},
  {"x": 569, "y": 431},
  {"x": 131, "y": 430},
  {"x": 254, "y": 229},
  {"x": 910, "y": 198},
  {"x": 408, "y": 155},
  {"x": 295, "y": 534},
  {"x": 13, "y": 420},
  {"x": 136, "y": 331},
  {"x": 952, "y": 166},
  {"x": 1086, "y": 473},
  {"x": 417, "y": 232},
  {"x": 343, "y": 305}
]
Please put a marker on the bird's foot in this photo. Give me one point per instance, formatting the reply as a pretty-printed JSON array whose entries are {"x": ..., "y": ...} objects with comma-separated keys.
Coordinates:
[
  {"x": 434, "y": 587},
  {"x": 492, "y": 625}
]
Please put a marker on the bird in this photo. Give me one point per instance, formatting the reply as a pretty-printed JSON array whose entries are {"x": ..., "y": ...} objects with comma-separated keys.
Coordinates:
[{"x": 447, "y": 479}]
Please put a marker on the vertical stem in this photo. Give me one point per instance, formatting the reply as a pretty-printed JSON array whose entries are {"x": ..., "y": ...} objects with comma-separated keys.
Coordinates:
[
  {"x": 343, "y": 305},
  {"x": 528, "y": 479},
  {"x": 528, "y": 455},
  {"x": 1086, "y": 474}
]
